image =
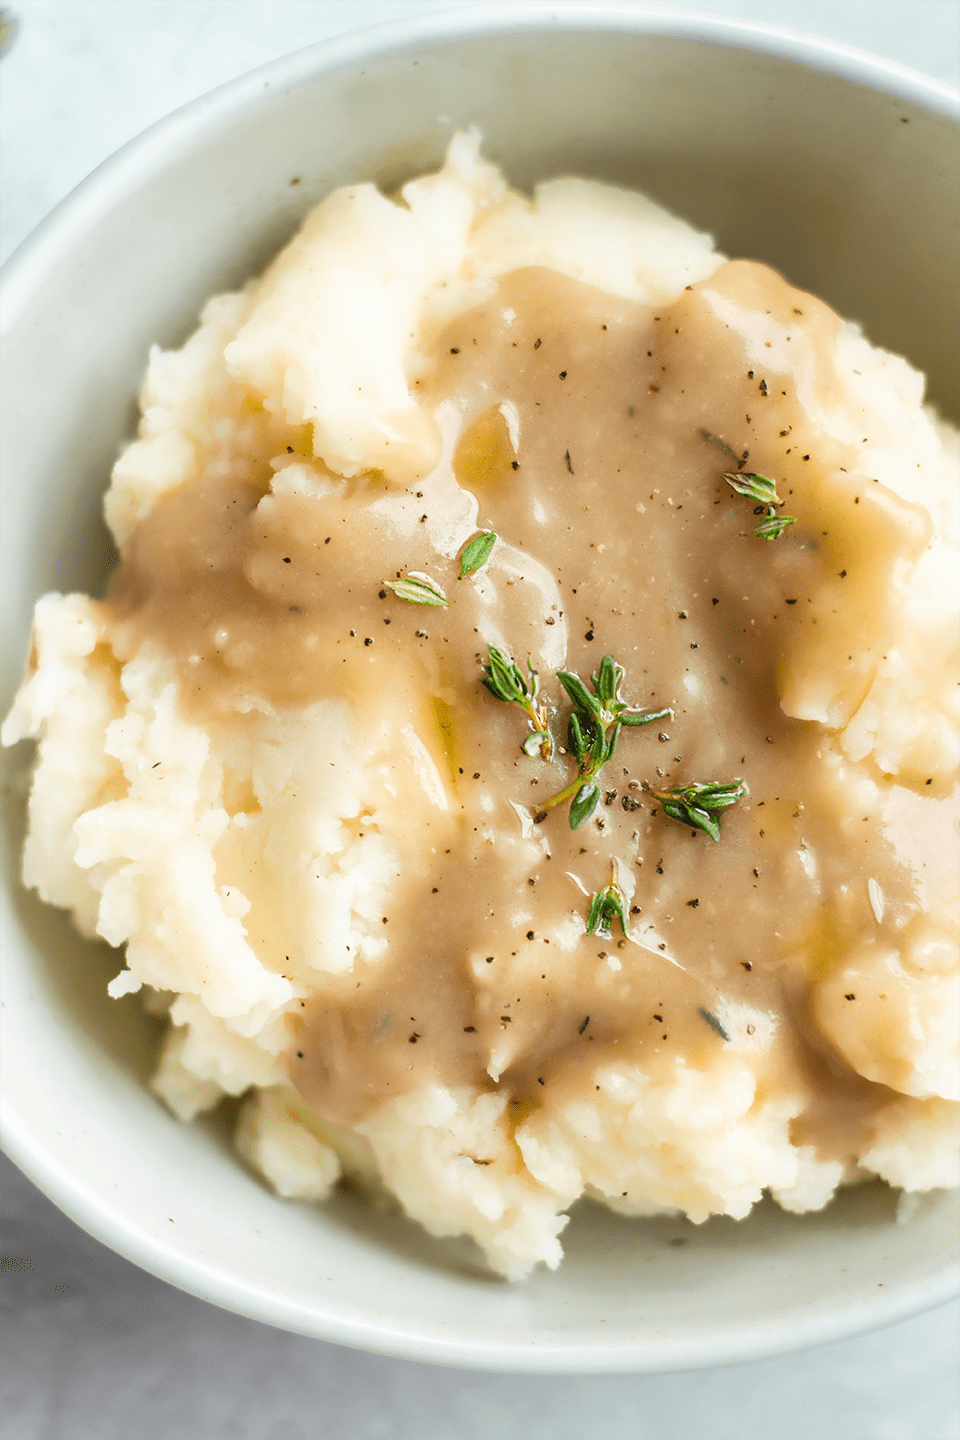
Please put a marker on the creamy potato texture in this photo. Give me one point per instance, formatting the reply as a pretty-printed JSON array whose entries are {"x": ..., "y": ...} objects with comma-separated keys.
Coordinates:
[{"x": 322, "y": 840}]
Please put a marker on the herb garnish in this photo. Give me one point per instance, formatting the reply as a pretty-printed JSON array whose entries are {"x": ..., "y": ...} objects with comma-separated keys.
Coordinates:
[
  {"x": 503, "y": 679},
  {"x": 773, "y": 526},
  {"x": 754, "y": 487},
  {"x": 605, "y": 907},
  {"x": 696, "y": 805},
  {"x": 419, "y": 589},
  {"x": 592, "y": 734},
  {"x": 477, "y": 552},
  {"x": 759, "y": 488}
]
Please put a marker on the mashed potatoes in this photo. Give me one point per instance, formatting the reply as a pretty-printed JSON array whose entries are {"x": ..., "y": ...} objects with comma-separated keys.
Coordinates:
[{"x": 440, "y": 938}]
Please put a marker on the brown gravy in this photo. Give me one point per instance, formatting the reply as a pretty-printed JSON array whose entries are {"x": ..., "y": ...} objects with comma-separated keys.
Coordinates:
[{"x": 617, "y": 534}]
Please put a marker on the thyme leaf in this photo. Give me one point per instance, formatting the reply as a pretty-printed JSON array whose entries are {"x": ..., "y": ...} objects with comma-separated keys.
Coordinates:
[
  {"x": 505, "y": 681},
  {"x": 754, "y": 487},
  {"x": 578, "y": 692},
  {"x": 584, "y": 803},
  {"x": 606, "y": 906},
  {"x": 697, "y": 805},
  {"x": 592, "y": 733},
  {"x": 774, "y": 525},
  {"x": 477, "y": 552},
  {"x": 418, "y": 589}
]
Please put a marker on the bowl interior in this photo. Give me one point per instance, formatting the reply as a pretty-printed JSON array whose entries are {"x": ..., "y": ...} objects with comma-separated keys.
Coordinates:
[{"x": 832, "y": 171}]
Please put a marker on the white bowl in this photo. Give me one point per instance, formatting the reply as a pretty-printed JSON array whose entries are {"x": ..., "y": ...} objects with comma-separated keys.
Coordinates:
[{"x": 832, "y": 166}]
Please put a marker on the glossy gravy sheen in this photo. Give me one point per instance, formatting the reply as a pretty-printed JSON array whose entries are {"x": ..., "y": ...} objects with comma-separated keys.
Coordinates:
[{"x": 576, "y": 422}]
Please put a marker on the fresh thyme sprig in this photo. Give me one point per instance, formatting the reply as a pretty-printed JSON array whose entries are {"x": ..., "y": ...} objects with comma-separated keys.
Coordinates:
[
  {"x": 419, "y": 589},
  {"x": 592, "y": 734},
  {"x": 477, "y": 552},
  {"x": 606, "y": 906},
  {"x": 697, "y": 805},
  {"x": 760, "y": 488},
  {"x": 503, "y": 679}
]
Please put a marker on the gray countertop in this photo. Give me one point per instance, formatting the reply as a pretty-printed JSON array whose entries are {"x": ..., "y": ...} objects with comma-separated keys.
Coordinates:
[{"x": 94, "y": 1348}]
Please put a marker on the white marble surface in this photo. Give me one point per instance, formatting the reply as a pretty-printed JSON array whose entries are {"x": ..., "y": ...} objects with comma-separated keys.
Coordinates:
[{"x": 97, "y": 1350}]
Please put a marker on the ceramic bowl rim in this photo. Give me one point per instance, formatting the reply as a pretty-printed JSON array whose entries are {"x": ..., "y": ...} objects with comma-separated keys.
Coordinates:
[{"x": 23, "y": 273}]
